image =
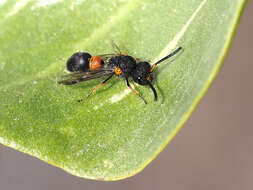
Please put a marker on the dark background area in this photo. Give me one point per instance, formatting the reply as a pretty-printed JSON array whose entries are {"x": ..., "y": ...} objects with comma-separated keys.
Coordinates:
[{"x": 214, "y": 149}]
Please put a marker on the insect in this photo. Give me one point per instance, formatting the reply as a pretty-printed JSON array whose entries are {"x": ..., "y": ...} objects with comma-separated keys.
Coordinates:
[{"x": 85, "y": 67}]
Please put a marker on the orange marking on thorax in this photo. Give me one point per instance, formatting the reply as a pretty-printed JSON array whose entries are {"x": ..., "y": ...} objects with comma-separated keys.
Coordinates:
[
  {"x": 95, "y": 62},
  {"x": 118, "y": 71}
]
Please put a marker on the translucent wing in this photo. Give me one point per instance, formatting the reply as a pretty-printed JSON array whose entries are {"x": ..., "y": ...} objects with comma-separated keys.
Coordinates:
[
  {"x": 107, "y": 57},
  {"x": 77, "y": 77}
]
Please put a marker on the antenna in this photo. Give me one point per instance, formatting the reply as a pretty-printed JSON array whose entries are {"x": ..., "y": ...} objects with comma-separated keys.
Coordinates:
[{"x": 163, "y": 59}]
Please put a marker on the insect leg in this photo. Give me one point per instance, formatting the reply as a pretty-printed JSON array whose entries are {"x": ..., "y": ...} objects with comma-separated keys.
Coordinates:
[
  {"x": 134, "y": 91},
  {"x": 97, "y": 87}
]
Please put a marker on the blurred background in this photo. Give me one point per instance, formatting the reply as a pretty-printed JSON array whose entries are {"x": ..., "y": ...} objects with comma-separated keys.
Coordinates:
[{"x": 214, "y": 149}]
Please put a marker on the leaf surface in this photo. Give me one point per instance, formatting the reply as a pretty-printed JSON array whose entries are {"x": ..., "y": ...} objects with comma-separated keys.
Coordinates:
[{"x": 112, "y": 135}]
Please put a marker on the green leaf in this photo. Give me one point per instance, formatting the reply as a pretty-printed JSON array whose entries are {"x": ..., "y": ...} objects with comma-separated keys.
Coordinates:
[{"x": 112, "y": 135}]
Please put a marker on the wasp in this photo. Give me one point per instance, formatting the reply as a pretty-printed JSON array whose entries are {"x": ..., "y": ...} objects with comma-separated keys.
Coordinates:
[{"x": 85, "y": 67}]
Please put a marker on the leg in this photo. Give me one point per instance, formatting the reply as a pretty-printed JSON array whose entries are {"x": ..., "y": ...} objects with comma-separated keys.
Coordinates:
[
  {"x": 97, "y": 87},
  {"x": 134, "y": 91}
]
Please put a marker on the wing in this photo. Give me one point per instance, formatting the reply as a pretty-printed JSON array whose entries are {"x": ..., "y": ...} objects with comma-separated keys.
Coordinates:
[
  {"x": 107, "y": 57},
  {"x": 77, "y": 77}
]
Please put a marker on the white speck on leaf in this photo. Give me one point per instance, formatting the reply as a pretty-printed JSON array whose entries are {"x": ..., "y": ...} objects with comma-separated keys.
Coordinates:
[
  {"x": 108, "y": 164},
  {"x": 2, "y": 64},
  {"x": 118, "y": 97},
  {"x": 98, "y": 106}
]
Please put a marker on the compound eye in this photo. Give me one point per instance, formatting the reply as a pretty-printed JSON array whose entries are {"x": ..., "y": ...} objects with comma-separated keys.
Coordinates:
[{"x": 140, "y": 80}]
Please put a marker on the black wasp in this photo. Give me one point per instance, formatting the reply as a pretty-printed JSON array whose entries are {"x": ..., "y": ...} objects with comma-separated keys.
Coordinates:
[{"x": 86, "y": 67}]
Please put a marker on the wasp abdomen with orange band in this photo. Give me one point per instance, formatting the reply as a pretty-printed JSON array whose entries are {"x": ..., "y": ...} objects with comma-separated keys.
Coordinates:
[
  {"x": 86, "y": 67},
  {"x": 83, "y": 61}
]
